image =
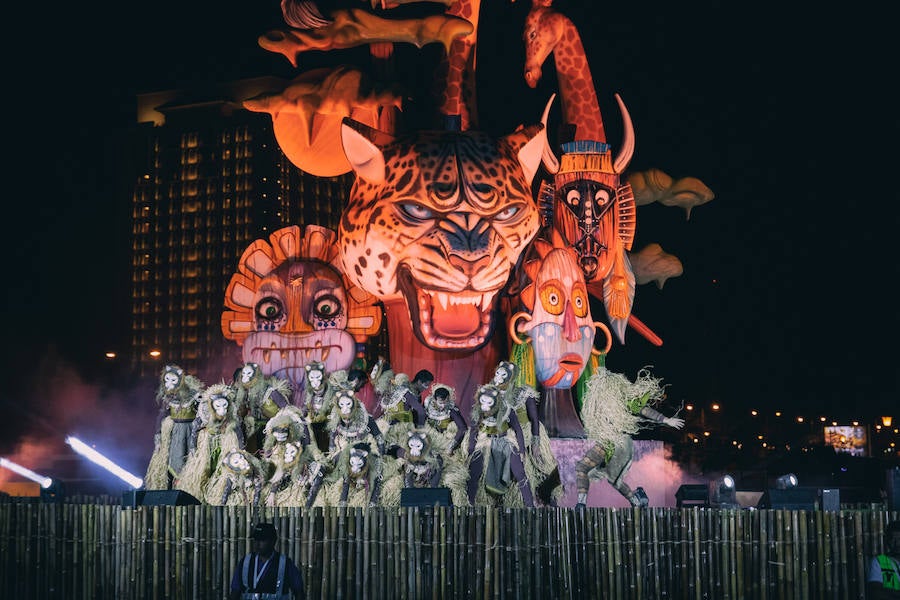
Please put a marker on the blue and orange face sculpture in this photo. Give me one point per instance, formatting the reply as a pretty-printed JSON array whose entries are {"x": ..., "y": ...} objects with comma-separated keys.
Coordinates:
[{"x": 557, "y": 314}]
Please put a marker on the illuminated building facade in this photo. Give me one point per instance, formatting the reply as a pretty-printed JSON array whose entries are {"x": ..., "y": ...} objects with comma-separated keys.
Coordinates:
[{"x": 212, "y": 179}]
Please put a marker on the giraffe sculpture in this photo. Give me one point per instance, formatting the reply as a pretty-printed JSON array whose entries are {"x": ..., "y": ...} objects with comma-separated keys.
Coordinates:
[
  {"x": 548, "y": 31},
  {"x": 455, "y": 75}
]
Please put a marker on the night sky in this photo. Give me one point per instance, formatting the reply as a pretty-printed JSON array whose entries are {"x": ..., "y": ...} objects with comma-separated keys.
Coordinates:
[{"x": 785, "y": 301}]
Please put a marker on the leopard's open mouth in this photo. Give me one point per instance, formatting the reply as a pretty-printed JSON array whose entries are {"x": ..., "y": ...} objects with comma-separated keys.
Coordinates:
[{"x": 447, "y": 320}]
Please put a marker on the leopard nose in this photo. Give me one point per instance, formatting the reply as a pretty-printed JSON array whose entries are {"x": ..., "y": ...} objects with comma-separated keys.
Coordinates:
[{"x": 469, "y": 267}]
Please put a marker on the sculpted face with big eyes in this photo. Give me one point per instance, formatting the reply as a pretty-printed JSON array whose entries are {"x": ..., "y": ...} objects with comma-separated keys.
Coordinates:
[
  {"x": 440, "y": 218},
  {"x": 300, "y": 313},
  {"x": 288, "y": 305}
]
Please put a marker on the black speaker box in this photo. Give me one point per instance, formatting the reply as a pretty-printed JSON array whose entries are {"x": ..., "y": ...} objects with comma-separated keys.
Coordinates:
[
  {"x": 798, "y": 498},
  {"x": 692, "y": 494},
  {"x": 439, "y": 496},
  {"x": 831, "y": 499},
  {"x": 157, "y": 498}
]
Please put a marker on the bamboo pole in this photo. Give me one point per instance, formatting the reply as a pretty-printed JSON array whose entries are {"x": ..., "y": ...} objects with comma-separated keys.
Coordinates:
[
  {"x": 440, "y": 554},
  {"x": 594, "y": 562},
  {"x": 803, "y": 540},
  {"x": 859, "y": 558},
  {"x": 358, "y": 564},
  {"x": 633, "y": 553}
]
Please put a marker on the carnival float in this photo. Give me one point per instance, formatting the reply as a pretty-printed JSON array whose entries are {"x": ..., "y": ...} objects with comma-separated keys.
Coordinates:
[{"x": 502, "y": 269}]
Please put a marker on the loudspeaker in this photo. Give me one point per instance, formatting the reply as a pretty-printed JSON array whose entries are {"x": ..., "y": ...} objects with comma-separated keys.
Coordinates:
[
  {"x": 692, "y": 494},
  {"x": 831, "y": 499},
  {"x": 439, "y": 496},
  {"x": 892, "y": 487},
  {"x": 798, "y": 498},
  {"x": 157, "y": 498}
]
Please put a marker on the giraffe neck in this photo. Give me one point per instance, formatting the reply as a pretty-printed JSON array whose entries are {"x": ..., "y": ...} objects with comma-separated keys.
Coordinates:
[
  {"x": 457, "y": 73},
  {"x": 576, "y": 86}
]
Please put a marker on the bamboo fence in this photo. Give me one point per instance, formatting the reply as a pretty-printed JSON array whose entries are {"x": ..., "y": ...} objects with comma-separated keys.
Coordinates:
[{"x": 96, "y": 550}]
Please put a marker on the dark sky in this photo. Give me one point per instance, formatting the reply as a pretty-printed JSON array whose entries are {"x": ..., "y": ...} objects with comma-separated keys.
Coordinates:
[{"x": 784, "y": 297}]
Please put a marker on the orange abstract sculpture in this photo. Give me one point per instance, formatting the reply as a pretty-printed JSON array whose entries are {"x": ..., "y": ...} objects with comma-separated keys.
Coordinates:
[
  {"x": 307, "y": 115},
  {"x": 355, "y": 27}
]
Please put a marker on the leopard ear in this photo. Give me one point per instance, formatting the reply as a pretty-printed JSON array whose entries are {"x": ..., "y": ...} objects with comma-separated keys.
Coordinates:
[
  {"x": 531, "y": 152},
  {"x": 359, "y": 141}
]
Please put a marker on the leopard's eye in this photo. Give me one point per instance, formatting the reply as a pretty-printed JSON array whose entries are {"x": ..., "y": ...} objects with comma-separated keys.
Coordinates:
[
  {"x": 507, "y": 214},
  {"x": 416, "y": 211}
]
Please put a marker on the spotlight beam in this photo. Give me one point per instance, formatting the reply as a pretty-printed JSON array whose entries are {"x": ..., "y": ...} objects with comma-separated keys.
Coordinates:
[
  {"x": 95, "y": 457},
  {"x": 44, "y": 481}
]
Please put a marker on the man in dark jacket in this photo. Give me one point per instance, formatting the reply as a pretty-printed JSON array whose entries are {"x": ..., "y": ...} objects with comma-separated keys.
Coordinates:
[{"x": 265, "y": 574}]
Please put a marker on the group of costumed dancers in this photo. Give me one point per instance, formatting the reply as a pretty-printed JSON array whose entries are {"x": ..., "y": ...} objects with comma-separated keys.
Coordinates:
[{"x": 359, "y": 439}]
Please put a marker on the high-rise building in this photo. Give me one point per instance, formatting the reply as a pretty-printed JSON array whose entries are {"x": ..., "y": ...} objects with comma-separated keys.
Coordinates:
[{"x": 212, "y": 179}]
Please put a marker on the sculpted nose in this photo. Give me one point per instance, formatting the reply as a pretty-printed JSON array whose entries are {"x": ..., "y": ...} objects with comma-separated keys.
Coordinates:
[
  {"x": 295, "y": 322},
  {"x": 469, "y": 267},
  {"x": 570, "y": 327}
]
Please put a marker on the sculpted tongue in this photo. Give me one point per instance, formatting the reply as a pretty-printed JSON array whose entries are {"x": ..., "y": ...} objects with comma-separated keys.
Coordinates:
[{"x": 455, "y": 321}]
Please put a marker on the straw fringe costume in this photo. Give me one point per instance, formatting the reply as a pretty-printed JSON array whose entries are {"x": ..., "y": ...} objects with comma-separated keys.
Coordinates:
[
  {"x": 297, "y": 465},
  {"x": 540, "y": 465},
  {"x": 495, "y": 445},
  {"x": 319, "y": 402},
  {"x": 428, "y": 466},
  {"x": 614, "y": 410},
  {"x": 358, "y": 426},
  {"x": 237, "y": 486},
  {"x": 177, "y": 410},
  {"x": 445, "y": 421},
  {"x": 214, "y": 435},
  {"x": 257, "y": 400},
  {"x": 345, "y": 487}
]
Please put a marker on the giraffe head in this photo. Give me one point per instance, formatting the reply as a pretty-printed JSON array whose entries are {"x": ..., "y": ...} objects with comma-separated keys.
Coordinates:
[{"x": 544, "y": 27}]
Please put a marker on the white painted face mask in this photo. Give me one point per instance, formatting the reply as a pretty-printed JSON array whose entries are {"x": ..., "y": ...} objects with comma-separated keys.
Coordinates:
[
  {"x": 170, "y": 381},
  {"x": 220, "y": 405},
  {"x": 416, "y": 446}
]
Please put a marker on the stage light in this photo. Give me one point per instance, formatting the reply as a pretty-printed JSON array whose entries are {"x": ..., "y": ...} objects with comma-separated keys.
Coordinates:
[
  {"x": 95, "y": 457},
  {"x": 722, "y": 492},
  {"x": 44, "y": 481},
  {"x": 786, "y": 482}
]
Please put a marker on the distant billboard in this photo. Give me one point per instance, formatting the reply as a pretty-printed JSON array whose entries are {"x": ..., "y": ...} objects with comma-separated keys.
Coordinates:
[{"x": 848, "y": 439}]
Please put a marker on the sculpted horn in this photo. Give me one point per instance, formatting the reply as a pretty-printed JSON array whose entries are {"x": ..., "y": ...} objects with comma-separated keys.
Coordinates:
[
  {"x": 627, "y": 149},
  {"x": 548, "y": 157}
]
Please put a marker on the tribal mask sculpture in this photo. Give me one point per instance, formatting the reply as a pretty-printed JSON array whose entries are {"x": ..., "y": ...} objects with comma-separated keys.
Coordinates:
[
  {"x": 557, "y": 314},
  {"x": 290, "y": 305}
]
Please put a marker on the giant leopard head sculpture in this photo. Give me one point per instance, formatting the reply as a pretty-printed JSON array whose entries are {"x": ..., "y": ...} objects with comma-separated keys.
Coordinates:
[{"x": 440, "y": 218}]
